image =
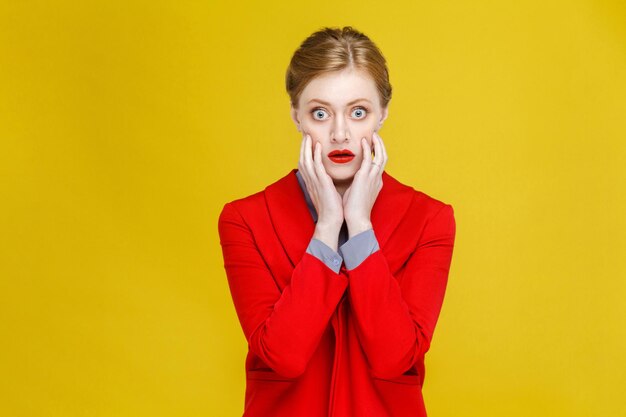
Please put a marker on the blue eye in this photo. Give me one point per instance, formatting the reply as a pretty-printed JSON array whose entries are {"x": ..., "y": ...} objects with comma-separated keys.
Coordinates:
[
  {"x": 318, "y": 114},
  {"x": 359, "y": 112}
]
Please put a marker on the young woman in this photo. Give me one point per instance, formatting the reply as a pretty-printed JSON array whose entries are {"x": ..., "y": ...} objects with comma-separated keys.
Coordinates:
[{"x": 337, "y": 270}]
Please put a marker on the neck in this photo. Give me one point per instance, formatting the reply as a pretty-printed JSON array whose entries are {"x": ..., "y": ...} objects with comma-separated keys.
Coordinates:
[{"x": 342, "y": 186}]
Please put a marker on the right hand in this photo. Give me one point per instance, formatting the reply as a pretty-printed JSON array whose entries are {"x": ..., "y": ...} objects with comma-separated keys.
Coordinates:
[{"x": 327, "y": 201}]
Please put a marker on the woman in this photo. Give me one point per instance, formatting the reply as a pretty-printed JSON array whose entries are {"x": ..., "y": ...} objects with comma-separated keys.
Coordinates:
[{"x": 337, "y": 270}]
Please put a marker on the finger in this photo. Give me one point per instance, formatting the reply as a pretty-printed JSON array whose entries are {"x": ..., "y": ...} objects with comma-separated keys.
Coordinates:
[
  {"x": 308, "y": 159},
  {"x": 378, "y": 153},
  {"x": 383, "y": 150},
  {"x": 367, "y": 156},
  {"x": 302, "y": 142},
  {"x": 382, "y": 161},
  {"x": 368, "y": 166},
  {"x": 305, "y": 170},
  {"x": 317, "y": 162},
  {"x": 302, "y": 166},
  {"x": 301, "y": 160},
  {"x": 377, "y": 164}
]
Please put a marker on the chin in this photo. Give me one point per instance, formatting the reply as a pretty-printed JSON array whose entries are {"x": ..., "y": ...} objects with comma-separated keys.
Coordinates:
[{"x": 342, "y": 175}]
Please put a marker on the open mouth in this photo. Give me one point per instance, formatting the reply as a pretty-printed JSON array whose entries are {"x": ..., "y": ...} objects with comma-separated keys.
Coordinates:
[{"x": 341, "y": 156}]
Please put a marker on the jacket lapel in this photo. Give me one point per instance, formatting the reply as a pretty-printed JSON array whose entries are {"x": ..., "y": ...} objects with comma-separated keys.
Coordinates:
[
  {"x": 294, "y": 225},
  {"x": 290, "y": 215}
]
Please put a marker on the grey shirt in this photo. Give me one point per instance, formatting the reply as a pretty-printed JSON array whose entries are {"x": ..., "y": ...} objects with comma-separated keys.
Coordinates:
[{"x": 352, "y": 251}]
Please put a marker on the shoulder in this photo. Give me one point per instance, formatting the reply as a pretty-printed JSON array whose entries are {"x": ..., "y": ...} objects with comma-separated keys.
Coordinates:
[
  {"x": 255, "y": 204},
  {"x": 242, "y": 203},
  {"x": 432, "y": 215},
  {"x": 240, "y": 209},
  {"x": 421, "y": 202}
]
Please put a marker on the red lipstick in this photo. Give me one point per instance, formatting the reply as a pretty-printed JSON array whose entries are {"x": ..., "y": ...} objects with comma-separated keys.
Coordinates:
[{"x": 341, "y": 156}]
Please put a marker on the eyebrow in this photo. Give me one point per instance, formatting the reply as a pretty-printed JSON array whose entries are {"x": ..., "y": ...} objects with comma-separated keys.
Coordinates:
[{"x": 328, "y": 104}]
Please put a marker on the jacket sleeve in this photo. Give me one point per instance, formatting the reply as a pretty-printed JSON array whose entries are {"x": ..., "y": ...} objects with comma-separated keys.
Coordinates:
[
  {"x": 395, "y": 318},
  {"x": 282, "y": 328}
]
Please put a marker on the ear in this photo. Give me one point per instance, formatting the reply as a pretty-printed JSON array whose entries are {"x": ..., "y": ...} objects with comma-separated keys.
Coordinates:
[{"x": 294, "y": 117}]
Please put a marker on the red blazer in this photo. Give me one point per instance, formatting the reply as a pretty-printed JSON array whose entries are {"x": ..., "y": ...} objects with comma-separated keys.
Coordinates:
[{"x": 327, "y": 344}]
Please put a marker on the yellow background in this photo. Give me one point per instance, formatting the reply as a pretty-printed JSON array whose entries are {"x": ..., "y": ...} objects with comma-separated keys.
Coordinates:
[{"x": 125, "y": 127}]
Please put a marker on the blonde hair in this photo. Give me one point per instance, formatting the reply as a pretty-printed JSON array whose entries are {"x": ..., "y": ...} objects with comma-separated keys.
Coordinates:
[{"x": 335, "y": 49}]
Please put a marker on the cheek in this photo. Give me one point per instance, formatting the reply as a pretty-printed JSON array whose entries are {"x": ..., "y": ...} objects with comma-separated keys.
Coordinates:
[
  {"x": 323, "y": 131},
  {"x": 365, "y": 132},
  {"x": 318, "y": 134},
  {"x": 316, "y": 130}
]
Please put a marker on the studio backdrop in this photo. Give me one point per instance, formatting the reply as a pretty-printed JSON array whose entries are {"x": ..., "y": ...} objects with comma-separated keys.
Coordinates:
[{"x": 126, "y": 125}]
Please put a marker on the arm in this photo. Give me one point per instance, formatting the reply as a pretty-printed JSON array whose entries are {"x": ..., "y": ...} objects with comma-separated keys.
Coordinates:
[
  {"x": 282, "y": 328},
  {"x": 395, "y": 318}
]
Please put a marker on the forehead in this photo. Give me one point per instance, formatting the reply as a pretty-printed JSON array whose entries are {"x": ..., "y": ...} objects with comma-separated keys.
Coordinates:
[{"x": 340, "y": 87}]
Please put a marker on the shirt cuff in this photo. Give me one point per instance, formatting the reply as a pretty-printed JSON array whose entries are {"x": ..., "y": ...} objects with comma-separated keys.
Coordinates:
[
  {"x": 358, "y": 248},
  {"x": 325, "y": 254}
]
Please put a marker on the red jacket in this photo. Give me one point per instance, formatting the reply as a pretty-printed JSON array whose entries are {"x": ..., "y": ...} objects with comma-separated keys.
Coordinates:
[{"x": 327, "y": 344}]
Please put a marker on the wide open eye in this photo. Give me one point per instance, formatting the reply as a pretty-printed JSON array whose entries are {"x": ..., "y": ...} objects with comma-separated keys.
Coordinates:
[
  {"x": 359, "y": 112},
  {"x": 318, "y": 113}
]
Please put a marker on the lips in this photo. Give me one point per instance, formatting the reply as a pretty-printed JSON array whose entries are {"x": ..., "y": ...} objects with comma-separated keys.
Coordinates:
[
  {"x": 341, "y": 152},
  {"x": 341, "y": 156}
]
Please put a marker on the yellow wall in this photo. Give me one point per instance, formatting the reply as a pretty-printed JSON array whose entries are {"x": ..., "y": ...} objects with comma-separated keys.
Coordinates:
[{"x": 125, "y": 127}]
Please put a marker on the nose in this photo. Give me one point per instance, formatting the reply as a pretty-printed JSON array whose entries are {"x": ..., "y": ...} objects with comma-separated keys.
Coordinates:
[{"x": 340, "y": 132}]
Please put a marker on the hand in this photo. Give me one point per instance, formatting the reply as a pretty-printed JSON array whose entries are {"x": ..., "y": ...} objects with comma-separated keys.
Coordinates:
[
  {"x": 321, "y": 189},
  {"x": 359, "y": 198}
]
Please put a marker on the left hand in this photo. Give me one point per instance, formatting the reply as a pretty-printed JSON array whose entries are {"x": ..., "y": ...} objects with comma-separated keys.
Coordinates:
[{"x": 359, "y": 198}]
